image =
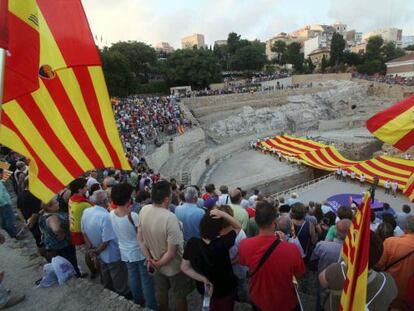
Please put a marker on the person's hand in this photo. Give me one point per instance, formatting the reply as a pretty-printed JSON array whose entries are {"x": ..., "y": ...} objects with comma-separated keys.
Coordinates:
[
  {"x": 216, "y": 213},
  {"x": 2, "y": 238},
  {"x": 281, "y": 235},
  {"x": 208, "y": 287},
  {"x": 153, "y": 265}
]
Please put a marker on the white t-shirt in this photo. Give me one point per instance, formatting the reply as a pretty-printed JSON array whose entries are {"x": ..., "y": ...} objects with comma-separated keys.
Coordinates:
[
  {"x": 394, "y": 186},
  {"x": 127, "y": 236},
  {"x": 362, "y": 178},
  {"x": 223, "y": 199},
  {"x": 91, "y": 181},
  {"x": 238, "y": 270},
  {"x": 387, "y": 185}
]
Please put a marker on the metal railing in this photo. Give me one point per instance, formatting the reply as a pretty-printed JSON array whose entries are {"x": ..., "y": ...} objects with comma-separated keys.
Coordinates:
[{"x": 301, "y": 186}]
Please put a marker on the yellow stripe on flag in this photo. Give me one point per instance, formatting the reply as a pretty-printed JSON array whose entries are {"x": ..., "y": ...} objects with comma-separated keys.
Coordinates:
[
  {"x": 72, "y": 88},
  {"x": 396, "y": 128},
  {"x": 102, "y": 95},
  {"x": 59, "y": 127},
  {"x": 28, "y": 12},
  {"x": 39, "y": 145}
]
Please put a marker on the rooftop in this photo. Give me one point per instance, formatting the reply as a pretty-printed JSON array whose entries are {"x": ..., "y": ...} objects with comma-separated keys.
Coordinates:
[{"x": 406, "y": 57}]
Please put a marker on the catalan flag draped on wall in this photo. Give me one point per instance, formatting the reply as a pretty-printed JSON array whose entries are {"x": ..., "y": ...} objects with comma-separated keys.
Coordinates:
[
  {"x": 56, "y": 107},
  {"x": 395, "y": 125},
  {"x": 355, "y": 252}
]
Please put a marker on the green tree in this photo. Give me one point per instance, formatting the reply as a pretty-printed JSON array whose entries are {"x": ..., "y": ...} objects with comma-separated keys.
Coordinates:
[
  {"x": 309, "y": 67},
  {"x": 324, "y": 63},
  {"x": 141, "y": 57},
  {"x": 351, "y": 58},
  {"x": 390, "y": 51},
  {"x": 280, "y": 48},
  {"x": 222, "y": 55},
  {"x": 373, "y": 49},
  {"x": 121, "y": 81},
  {"x": 409, "y": 48},
  {"x": 294, "y": 56},
  {"x": 197, "y": 68},
  {"x": 371, "y": 67},
  {"x": 337, "y": 49},
  {"x": 250, "y": 57}
]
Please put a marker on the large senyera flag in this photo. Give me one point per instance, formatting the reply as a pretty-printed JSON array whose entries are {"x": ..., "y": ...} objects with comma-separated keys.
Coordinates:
[
  {"x": 56, "y": 107},
  {"x": 355, "y": 252},
  {"x": 409, "y": 188},
  {"x": 3, "y": 25},
  {"x": 395, "y": 125}
]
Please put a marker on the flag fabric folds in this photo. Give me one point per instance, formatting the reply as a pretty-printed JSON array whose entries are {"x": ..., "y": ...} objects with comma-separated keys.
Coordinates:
[
  {"x": 328, "y": 158},
  {"x": 409, "y": 188},
  {"x": 355, "y": 252},
  {"x": 395, "y": 125},
  {"x": 63, "y": 123}
]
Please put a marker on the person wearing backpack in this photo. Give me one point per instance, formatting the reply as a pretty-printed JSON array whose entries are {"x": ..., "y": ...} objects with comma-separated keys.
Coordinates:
[
  {"x": 124, "y": 224},
  {"x": 272, "y": 264},
  {"x": 398, "y": 260}
]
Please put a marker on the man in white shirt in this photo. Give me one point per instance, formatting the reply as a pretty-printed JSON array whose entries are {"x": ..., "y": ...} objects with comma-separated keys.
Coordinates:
[
  {"x": 352, "y": 175},
  {"x": 92, "y": 179},
  {"x": 344, "y": 174},
  {"x": 362, "y": 179},
  {"x": 224, "y": 198},
  {"x": 103, "y": 245},
  {"x": 394, "y": 188},
  {"x": 387, "y": 186}
]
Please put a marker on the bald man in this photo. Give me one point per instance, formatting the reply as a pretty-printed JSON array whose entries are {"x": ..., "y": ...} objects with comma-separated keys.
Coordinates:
[
  {"x": 328, "y": 252},
  {"x": 239, "y": 212}
]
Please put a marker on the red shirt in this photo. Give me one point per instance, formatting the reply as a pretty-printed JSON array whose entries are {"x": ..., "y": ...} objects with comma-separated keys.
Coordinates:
[
  {"x": 251, "y": 212},
  {"x": 272, "y": 285}
]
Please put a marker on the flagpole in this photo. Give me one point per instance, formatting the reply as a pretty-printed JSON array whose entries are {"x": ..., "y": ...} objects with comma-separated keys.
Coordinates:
[{"x": 3, "y": 53}]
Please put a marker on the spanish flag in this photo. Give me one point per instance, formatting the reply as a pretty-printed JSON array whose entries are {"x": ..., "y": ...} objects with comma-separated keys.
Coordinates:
[
  {"x": 395, "y": 125},
  {"x": 355, "y": 252},
  {"x": 409, "y": 188},
  {"x": 56, "y": 107}
]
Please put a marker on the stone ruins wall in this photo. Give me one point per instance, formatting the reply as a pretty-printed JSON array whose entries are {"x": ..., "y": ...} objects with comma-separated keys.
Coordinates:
[
  {"x": 385, "y": 90},
  {"x": 161, "y": 154},
  {"x": 314, "y": 78}
]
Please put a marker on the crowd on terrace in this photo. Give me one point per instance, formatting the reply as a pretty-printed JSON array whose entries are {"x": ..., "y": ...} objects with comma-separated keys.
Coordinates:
[
  {"x": 149, "y": 238},
  {"x": 391, "y": 80},
  {"x": 141, "y": 119}
]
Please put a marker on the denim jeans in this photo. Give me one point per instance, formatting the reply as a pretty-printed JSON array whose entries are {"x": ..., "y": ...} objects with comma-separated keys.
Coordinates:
[
  {"x": 141, "y": 284},
  {"x": 8, "y": 220}
]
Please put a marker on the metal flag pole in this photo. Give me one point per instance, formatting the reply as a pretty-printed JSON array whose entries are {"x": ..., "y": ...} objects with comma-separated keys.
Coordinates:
[{"x": 3, "y": 54}]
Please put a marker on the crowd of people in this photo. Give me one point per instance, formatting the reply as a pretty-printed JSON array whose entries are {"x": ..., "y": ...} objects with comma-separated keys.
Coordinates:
[
  {"x": 149, "y": 238},
  {"x": 141, "y": 119},
  {"x": 391, "y": 80}
]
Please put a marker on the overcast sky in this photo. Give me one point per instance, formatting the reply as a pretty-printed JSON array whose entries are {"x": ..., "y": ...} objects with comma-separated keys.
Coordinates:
[{"x": 152, "y": 21}]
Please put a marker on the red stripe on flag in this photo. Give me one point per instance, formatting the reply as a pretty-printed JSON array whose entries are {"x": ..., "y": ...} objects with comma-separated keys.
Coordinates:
[
  {"x": 22, "y": 65},
  {"x": 74, "y": 38},
  {"x": 281, "y": 149},
  {"x": 384, "y": 170},
  {"x": 41, "y": 124},
  {"x": 325, "y": 159},
  {"x": 406, "y": 142},
  {"x": 65, "y": 107},
  {"x": 89, "y": 95},
  {"x": 395, "y": 164},
  {"x": 300, "y": 150},
  {"x": 302, "y": 142},
  {"x": 44, "y": 174},
  {"x": 383, "y": 117},
  {"x": 4, "y": 33},
  {"x": 336, "y": 158}
]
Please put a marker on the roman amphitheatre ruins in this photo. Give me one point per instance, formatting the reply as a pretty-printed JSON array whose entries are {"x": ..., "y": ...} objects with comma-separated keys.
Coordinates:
[{"x": 330, "y": 108}]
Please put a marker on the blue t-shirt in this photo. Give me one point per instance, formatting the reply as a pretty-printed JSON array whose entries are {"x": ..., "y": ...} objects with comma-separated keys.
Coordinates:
[{"x": 190, "y": 215}]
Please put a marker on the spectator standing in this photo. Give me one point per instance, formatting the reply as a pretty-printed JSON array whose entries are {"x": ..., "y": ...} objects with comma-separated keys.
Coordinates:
[
  {"x": 102, "y": 244},
  {"x": 161, "y": 239},
  {"x": 398, "y": 260},
  {"x": 271, "y": 281},
  {"x": 239, "y": 212},
  {"x": 207, "y": 260},
  {"x": 77, "y": 204},
  {"x": 92, "y": 179},
  {"x": 7, "y": 217},
  {"x": 381, "y": 289},
  {"x": 394, "y": 188},
  {"x": 224, "y": 198},
  {"x": 402, "y": 216},
  {"x": 54, "y": 226},
  {"x": 190, "y": 214},
  {"x": 124, "y": 224},
  {"x": 387, "y": 186}
]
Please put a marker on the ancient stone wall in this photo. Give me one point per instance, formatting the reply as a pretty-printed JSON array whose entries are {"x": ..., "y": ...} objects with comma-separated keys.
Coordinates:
[
  {"x": 385, "y": 90},
  {"x": 315, "y": 78},
  {"x": 161, "y": 154}
]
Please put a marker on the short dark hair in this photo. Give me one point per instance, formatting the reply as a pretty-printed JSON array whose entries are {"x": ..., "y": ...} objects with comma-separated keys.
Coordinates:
[
  {"x": 386, "y": 206},
  {"x": 160, "y": 191},
  {"x": 210, "y": 188},
  {"x": 345, "y": 212},
  {"x": 121, "y": 193},
  {"x": 406, "y": 208},
  {"x": 77, "y": 184},
  {"x": 266, "y": 213},
  {"x": 256, "y": 191},
  {"x": 385, "y": 230},
  {"x": 298, "y": 211},
  {"x": 243, "y": 193},
  {"x": 210, "y": 227},
  {"x": 94, "y": 188},
  {"x": 389, "y": 218}
]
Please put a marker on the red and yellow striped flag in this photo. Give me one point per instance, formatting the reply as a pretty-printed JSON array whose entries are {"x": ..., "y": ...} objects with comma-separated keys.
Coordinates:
[
  {"x": 409, "y": 188},
  {"x": 355, "y": 252},
  {"x": 4, "y": 34},
  {"x": 395, "y": 125},
  {"x": 64, "y": 122}
]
